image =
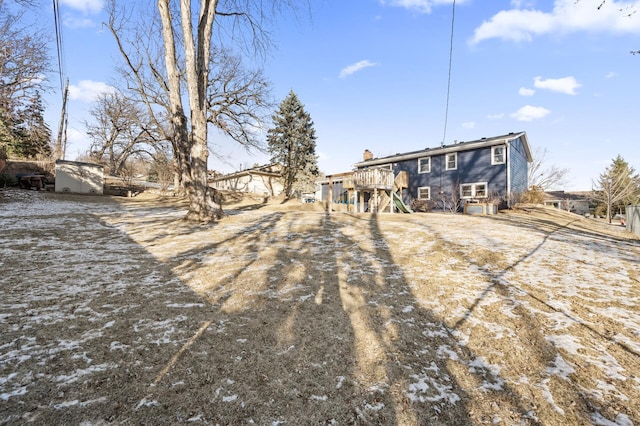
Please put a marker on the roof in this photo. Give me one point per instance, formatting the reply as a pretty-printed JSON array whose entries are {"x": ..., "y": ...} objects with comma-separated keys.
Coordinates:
[
  {"x": 573, "y": 196},
  {"x": 456, "y": 147},
  {"x": 79, "y": 163},
  {"x": 265, "y": 170}
]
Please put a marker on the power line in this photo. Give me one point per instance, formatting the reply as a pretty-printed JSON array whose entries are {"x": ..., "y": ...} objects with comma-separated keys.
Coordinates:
[
  {"x": 61, "y": 144},
  {"x": 446, "y": 112},
  {"x": 59, "y": 44}
]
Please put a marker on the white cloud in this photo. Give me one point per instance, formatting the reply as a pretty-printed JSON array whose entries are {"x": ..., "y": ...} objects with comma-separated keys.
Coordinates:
[
  {"x": 88, "y": 90},
  {"x": 421, "y": 6},
  {"x": 347, "y": 71},
  {"x": 611, "y": 74},
  {"x": 74, "y": 22},
  {"x": 524, "y": 91},
  {"x": 530, "y": 113},
  {"x": 86, "y": 6},
  {"x": 567, "y": 85},
  {"x": 499, "y": 116},
  {"x": 567, "y": 16},
  {"x": 469, "y": 124}
]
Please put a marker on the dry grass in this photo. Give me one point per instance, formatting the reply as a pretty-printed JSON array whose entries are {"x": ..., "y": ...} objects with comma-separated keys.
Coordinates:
[{"x": 282, "y": 313}]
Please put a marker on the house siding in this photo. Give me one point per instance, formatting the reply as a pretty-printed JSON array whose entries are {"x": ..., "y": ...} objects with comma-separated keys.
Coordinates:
[
  {"x": 519, "y": 167},
  {"x": 473, "y": 166}
]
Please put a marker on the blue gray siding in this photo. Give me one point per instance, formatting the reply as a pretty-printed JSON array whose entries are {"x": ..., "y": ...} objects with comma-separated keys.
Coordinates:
[
  {"x": 519, "y": 167},
  {"x": 474, "y": 166}
]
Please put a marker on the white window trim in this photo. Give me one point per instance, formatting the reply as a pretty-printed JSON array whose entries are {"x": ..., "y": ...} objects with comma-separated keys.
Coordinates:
[
  {"x": 428, "y": 168},
  {"x": 493, "y": 154},
  {"x": 446, "y": 161},
  {"x": 428, "y": 188},
  {"x": 473, "y": 190}
]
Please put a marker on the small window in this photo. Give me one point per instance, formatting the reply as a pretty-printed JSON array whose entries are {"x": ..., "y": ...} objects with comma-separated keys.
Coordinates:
[
  {"x": 498, "y": 154},
  {"x": 452, "y": 161},
  {"x": 466, "y": 191},
  {"x": 424, "y": 193},
  {"x": 424, "y": 165},
  {"x": 473, "y": 190},
  {"x": 480, "y": 190}
]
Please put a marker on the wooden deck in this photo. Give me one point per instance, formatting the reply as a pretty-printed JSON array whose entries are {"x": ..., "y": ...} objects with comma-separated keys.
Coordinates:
[
  {"x": 378, "y": 183},
  {"x": 369, "y": 179}
]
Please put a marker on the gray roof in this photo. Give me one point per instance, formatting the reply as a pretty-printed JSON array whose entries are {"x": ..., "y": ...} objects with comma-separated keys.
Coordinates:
[{"x": 445, "y": 149}]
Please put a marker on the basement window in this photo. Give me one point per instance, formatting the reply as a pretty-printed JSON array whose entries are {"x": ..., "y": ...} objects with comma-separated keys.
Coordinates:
[
  {"x": 473, "y": 190},
  {"x": 424, "y": 193}
]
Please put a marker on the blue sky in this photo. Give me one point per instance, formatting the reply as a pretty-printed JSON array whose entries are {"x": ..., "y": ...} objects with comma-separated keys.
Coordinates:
[{"x": 373, "y": 75}]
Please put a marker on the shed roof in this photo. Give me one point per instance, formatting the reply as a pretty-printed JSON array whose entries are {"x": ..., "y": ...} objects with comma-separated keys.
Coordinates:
[
  {"x": 80, "y": 164},
  {"x": 271, "y": 170},
  {"x": 456, "y": 147}
]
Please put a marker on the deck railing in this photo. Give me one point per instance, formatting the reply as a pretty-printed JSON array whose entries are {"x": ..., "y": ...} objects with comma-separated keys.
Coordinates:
[{"x": 372, "y": 178}]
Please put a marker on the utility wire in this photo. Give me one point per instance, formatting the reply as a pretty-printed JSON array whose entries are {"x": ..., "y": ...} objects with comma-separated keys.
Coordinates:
[
  {"x": 446, "y": 112},
  {"x": 59, "y": 44}
]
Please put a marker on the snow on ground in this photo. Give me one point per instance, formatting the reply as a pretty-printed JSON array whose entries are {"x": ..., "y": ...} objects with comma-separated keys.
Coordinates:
[{"x": 114, "y": 311}]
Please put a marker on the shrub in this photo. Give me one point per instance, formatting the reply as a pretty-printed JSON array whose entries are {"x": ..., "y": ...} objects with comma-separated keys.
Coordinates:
[
  {"x": 420, "y": 206},
  {"x": 7, "y": 180},
  {"x": 533, "y": 196}
]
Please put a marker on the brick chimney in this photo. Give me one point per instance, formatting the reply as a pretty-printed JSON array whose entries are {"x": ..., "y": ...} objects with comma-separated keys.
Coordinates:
[{"x": 368, "y": 155}]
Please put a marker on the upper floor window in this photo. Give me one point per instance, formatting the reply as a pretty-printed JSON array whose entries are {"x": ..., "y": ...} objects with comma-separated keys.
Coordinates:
[
  {"x": 451, "y": 161},
  {"x": 424, "y": 193},
  {"x": 424, "y": 165},
  {"x": 498, "y": 154}
]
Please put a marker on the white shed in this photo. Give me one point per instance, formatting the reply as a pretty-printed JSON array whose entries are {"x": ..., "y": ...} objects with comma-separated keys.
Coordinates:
[{"x": 81, "y": 178}]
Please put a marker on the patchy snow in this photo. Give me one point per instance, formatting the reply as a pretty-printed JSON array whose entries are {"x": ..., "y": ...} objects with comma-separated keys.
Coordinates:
[{"x": 536, "y": 316}]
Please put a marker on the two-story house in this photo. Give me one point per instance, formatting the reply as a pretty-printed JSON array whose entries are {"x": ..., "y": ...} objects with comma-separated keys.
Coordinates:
[{"x": 489, "y": 169}]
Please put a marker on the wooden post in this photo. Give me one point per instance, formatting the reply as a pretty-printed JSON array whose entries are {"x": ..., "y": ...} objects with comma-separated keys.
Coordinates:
[{"x": 330, "y": 201}]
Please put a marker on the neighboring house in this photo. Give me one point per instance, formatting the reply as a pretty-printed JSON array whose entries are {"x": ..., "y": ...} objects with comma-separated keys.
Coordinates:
[
  {"x": 488, "y": 169},
  {"x": 263, "y": 180},
  {"x": 78, "y": 177},
  {"x": 574, "y": 202}
]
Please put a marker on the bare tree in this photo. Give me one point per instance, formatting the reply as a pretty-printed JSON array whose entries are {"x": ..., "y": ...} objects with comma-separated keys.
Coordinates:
[
  {"x": 617, "y": 185},
  {"x": 226, "y": 97},
  {"x": 543, "y": 175},
  {"x": 119, "y": 130}
]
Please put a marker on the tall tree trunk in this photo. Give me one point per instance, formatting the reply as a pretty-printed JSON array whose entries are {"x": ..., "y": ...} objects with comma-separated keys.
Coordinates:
[{"x": 192, "y": 145}]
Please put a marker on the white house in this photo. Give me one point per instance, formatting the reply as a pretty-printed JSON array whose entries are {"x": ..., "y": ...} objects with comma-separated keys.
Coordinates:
[{"x": 262, "y": 180}]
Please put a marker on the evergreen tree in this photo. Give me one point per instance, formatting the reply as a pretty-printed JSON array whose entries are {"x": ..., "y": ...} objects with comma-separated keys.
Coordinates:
[
  {"x": 617, "y": 187},
  {"x": 24, "y": 130},
  {"x": 292, "y": 143},
  {"x": 36, "y": 141}
]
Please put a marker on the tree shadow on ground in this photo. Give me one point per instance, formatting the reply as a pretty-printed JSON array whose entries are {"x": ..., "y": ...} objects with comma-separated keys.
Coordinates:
[
  {"x": 324, "y": 322},
  {"x": 571, "y": 402}
]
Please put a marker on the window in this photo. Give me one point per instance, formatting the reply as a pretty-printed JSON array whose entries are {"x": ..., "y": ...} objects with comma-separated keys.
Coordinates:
[
  {"x": 473, "y": 190},
  {"x": 424, "y": 193},
  {"x": 451, "y": 161},
  {"x": 498, "y": 154},
  {"x": 424, "y": 165}
]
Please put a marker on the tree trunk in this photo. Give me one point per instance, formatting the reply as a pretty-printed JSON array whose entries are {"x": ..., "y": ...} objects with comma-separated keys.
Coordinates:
[{"x": 192, "y": 146}]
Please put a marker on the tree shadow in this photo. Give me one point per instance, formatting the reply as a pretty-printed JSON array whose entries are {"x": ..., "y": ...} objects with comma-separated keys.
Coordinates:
[{"x": 552, "y": 362}]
